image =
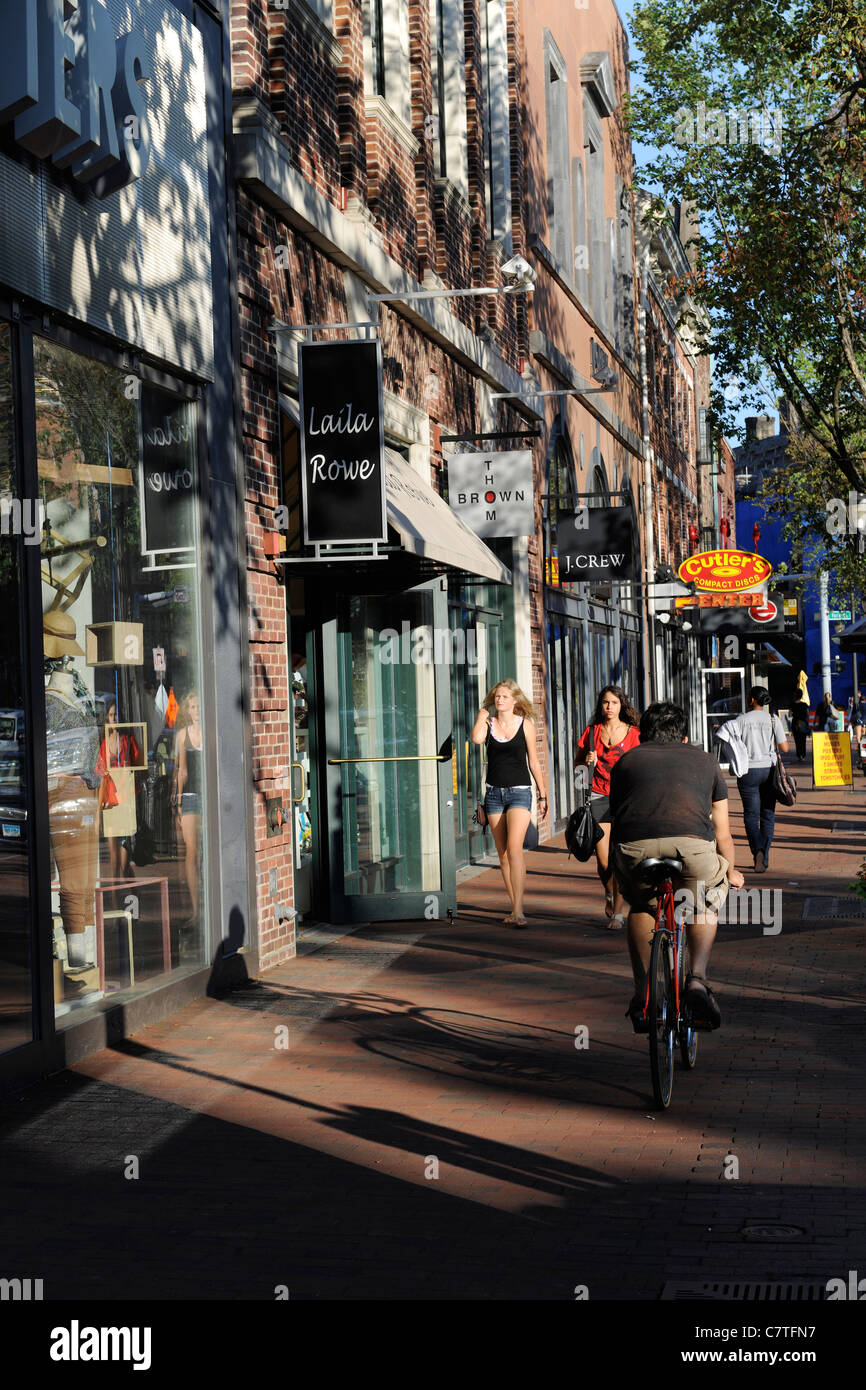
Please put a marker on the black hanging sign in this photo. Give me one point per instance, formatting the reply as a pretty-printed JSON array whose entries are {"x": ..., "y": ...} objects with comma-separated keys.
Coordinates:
[
  {"x": 167, "y": 478},
  {"x": 752, "y": 623},
  {"x": 342, "y": 442},
  {"x": 596, "y": 543}
]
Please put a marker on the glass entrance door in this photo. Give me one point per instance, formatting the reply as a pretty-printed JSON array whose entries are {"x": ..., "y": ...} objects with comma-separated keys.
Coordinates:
[
  {"x": 724, "y": 697},
  {"x": 388, "y": 757}
]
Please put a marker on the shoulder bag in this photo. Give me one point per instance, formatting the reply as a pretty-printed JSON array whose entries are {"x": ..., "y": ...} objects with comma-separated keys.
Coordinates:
[
  {"x": 784, "y": 786},
  {"x": 583, "y": 832}
]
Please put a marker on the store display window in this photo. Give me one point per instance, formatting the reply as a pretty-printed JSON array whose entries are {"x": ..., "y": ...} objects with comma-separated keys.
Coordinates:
[{"x": 118, "y": 476}]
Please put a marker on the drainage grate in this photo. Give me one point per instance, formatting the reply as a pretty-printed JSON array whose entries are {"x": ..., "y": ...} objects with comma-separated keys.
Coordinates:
[
  {"x": 791, "y": 1290},
  {"x": 760, "y": 1230},
  {"x": 849, "y": 825},
  {"x": 821, "y": 909}
]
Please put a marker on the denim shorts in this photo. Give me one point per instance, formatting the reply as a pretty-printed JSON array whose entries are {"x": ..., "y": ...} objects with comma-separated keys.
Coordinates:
[
  {"x": 506, "y": 798},
  {"x": 190, "y": 804}
]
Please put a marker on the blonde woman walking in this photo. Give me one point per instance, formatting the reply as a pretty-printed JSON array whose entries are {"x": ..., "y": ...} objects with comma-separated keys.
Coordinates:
[{"x": 506, "y": 724}]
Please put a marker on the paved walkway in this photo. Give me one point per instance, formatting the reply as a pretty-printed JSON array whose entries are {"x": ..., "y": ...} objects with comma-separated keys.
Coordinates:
[{"x": 403, "y": 1113}]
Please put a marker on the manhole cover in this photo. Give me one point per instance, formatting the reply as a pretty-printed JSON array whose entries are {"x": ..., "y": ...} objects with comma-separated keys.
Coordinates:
[
  {"x": 766, "y": 1232},
  {"x": 821, "y": 909},
  {"x": 791, "y": 1290}
]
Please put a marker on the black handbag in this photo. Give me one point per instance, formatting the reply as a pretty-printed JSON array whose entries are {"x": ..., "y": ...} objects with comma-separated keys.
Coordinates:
[
  {"x": 583, "y": 832},
  {"x": 784, "y": 787}
]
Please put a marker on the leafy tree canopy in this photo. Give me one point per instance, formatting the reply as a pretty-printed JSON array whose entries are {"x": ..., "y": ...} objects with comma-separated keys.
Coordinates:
[{"x": 758, "y": 115}]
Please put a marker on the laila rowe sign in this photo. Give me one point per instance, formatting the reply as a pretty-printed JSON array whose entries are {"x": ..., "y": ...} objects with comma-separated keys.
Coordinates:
[
  {"x": 596, "y": 543},
  {"x": 167, "y": 472},
  {"x": 342, "y": 443}
]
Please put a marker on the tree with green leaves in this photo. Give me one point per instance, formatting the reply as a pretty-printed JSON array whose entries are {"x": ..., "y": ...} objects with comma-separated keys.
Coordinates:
[{"x": 758, "y": 117}]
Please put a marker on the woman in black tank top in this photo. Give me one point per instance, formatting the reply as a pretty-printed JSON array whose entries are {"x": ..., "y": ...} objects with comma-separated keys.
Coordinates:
[
  {"x": 189, "y": 746},
  {"x": 512, "y": 759}
]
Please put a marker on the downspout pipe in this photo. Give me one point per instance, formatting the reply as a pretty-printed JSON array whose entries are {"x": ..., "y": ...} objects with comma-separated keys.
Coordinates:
[{"x": 648, "y": 521}]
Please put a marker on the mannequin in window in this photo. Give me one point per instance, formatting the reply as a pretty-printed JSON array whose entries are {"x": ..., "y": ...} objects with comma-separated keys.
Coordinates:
[
  {"x": 189, "y": 784},
  {"x": 72, "y": 745},
  {"x": 116, "y": 750}
]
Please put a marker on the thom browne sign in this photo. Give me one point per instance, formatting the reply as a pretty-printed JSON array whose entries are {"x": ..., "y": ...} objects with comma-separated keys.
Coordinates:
[{"x": 492, "y": 493}]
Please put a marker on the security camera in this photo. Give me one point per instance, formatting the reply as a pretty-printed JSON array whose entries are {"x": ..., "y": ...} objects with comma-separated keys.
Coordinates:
[{"x": 521, "y": 271}]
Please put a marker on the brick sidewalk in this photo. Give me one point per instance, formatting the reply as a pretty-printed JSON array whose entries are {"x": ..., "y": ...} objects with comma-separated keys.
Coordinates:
[{"x": 420, "y": 1045}]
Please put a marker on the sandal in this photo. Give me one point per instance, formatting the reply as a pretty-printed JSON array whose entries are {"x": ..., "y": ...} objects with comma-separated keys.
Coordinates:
[
  {"x": 609, "y": 904},
  {"x": 616, "y": 922},
  {"x": 519, "y": 922},
  {"x": 635, "y": 1012},
  {"x": 702, "y": 1004}
]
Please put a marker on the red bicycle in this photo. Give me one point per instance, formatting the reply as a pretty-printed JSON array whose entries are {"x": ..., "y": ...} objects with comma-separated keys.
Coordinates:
[{"x": 664, "y": 1008}]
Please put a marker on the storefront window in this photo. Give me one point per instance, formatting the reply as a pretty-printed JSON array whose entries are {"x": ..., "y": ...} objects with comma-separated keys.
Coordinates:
[
  {"x": 117, "y": 470},
  {"x": 15, "y": 830}
]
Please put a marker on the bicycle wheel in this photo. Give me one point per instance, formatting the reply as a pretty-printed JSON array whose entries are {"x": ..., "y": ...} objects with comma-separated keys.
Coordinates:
[
  {"x": 688, "y": 1036},
  {"x": 662, "y": 1018}
]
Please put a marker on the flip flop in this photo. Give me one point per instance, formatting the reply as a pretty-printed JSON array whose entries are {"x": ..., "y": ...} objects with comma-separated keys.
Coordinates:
[
  {"x": 616, "y": 922},
  {"x": 519, "y": 922}
]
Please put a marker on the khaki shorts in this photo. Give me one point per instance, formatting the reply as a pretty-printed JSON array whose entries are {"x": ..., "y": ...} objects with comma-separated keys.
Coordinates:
[{"x": 704, "y": 870}]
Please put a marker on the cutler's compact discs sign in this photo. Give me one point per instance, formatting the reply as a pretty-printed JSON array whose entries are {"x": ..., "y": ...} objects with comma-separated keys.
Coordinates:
[
  {"x": 342, "y": 442},
  {"x": 725, "y": 571},
  {"x": 73, "y": 89},
  {"x": 596, "y": 543},
  {"x": 492, "y": 493}
]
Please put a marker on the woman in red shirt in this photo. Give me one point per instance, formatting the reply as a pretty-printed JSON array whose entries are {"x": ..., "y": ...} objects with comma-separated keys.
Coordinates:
[{"x": 613, "y": 731}]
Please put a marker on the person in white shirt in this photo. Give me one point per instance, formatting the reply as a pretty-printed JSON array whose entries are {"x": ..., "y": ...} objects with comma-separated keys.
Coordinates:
[{"x": 760, "y": 731}]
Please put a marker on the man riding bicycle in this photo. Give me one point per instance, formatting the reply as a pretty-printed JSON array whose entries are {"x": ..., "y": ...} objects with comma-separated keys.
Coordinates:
[{"x": 668, "y": 799}]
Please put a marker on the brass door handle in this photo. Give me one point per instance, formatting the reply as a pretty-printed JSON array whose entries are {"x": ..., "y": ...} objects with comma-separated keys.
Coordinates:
[{"x": 404, "y": 758}]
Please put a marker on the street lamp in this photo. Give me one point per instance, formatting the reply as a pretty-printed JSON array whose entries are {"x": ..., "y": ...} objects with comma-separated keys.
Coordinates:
[{"x": 518, "y": 270}]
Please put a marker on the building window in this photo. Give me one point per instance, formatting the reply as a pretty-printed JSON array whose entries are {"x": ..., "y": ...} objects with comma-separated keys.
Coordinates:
[
  {"x": 581, "y": 243},
  {"x": 498, "y": 136},
  {"x": 387, "y": 72},
  {"x": 560, "y": 234},
  {"x": 449, "y": 91},
  {"x": 377, "y": 48},
  {"x": 599, "y": 252}
]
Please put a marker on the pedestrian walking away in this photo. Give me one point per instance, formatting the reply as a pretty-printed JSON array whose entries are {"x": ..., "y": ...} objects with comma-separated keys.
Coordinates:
[
  {"x": 669, "y": 800},
  {"x": 800, "y": 726},
  {"x": 509, "y": 735},
  {"x": 828, "y": 719},
  {"x": 760, "y": 731},
  {"x": 856, "y": 721},
  {"x": 612, "y": 733}
]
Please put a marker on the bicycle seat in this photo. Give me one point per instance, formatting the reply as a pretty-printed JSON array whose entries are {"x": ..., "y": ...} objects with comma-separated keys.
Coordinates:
[{"x": 655, "y": 871}]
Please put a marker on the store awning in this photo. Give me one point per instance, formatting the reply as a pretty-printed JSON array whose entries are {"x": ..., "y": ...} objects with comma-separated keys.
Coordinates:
[
  {"x": 853, "y": 637},
  {"x": 428, "y": 528}
]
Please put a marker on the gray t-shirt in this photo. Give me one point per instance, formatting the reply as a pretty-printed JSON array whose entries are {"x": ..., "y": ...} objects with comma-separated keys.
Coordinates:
[{"x": 756, "y": 731}]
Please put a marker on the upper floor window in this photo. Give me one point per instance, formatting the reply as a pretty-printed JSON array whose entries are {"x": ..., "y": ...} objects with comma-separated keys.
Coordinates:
[
  {"x": 377, "y": 48},
  {"x": 558, "y": 164},
  {"x": 386, "y": 54},
  {"x": 447, "y": 55},
  {"x": 497, "y": 150}
]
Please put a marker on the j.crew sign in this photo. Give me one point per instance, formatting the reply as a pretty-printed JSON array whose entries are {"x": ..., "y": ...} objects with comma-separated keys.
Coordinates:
[{"x": 74, "y": 91}]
